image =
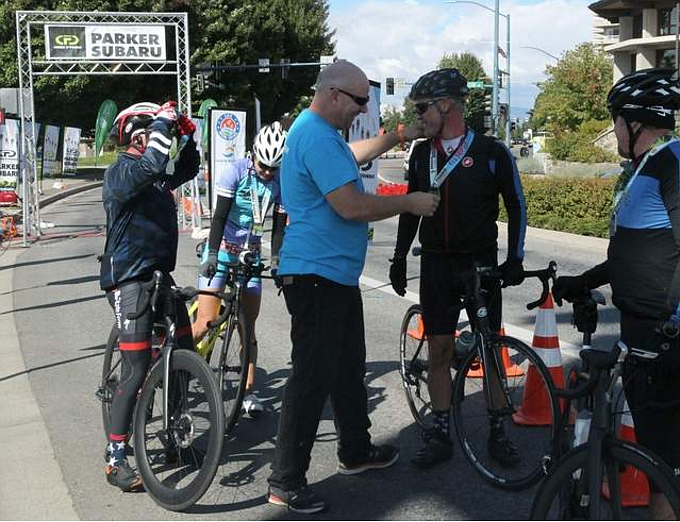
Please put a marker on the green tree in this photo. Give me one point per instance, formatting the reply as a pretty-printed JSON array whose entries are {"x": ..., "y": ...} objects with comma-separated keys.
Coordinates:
[
  {"x": 471, "y": 67},
  {"x": 575, "y": 90}
]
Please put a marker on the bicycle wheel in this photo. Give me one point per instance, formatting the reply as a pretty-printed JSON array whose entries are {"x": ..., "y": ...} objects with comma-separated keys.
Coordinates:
[
  {"x": 232, "y": 368},
  {"x": 177, "y": 465},
  {"x": 413, "y": 366},
  {"x": 563, "y": 495},
  {"x": 527, "y": 381},
  {"x": 111, "y": 376}
]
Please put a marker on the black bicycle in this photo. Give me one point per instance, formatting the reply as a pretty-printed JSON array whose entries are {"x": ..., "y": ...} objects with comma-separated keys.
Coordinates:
[
  {"x": 178, "y": 422},
  {"x": 590, "y": 481},
  {"x": 490, "y": 387}
]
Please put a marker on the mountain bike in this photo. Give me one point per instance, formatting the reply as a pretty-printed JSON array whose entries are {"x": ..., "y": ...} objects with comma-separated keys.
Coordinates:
[
  {"x": 489, "y": 383},
  {"x": 178, "y": 421},
  {"x": 231, "y": 358},
  {"x": 588, "y": 482}
]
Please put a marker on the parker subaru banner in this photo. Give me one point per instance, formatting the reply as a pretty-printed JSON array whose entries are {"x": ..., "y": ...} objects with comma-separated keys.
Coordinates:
[
  {"x": 122, "y": 43},
  {"x": 70, "y": 150},
  {"x": 50, "y": 164},
  {"x": 227, "y": 141},
  {"x": 9, "y": 154},
  {"x": 367, "y": 125}
]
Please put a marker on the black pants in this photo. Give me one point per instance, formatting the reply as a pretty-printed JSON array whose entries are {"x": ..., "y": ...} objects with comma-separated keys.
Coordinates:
[{"x": 329, "y": 359}]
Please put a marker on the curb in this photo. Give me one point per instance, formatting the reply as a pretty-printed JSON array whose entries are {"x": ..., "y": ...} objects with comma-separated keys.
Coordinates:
[{"x": 69, "y": 192}]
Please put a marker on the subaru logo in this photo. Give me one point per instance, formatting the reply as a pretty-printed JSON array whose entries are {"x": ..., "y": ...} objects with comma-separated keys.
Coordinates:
[
  {"x": 8, "y": 154},
  {"x": 67, "y": 39}
]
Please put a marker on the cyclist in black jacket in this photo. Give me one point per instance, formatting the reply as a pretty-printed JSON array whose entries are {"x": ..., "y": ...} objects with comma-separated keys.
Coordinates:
[
  {"x": 142, "y": 235},
  {"x": 469, "y": 171},
  {"x": 643, "y": 259}
]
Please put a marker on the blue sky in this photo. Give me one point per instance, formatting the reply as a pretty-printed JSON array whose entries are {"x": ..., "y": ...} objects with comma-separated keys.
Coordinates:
[{"x": 406, "y": 38}]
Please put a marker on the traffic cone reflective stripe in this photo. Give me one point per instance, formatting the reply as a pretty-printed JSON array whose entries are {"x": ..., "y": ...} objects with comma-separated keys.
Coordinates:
[
  {"x": 536, "y": 409},
  {"x": 634, "y": 483},
  {"x": 511, "y": 369}
]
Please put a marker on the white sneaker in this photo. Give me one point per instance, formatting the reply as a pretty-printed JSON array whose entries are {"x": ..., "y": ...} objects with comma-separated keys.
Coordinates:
[{"x": 252, "y": 405}]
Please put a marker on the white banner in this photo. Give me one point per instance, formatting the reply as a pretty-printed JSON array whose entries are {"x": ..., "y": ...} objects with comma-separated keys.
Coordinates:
[
  {"x": 70, "y": 150},
  {"x": 10, "y": 137},
  {"x": 50, "y": 164},
  {"x": 123, "y": 43},
  {"x": 227, "y": 141},
  {"x": 366, "y": 125}
]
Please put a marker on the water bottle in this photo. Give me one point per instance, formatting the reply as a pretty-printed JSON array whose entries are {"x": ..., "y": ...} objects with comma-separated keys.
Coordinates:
[
  {"x": 465, "y": 344},
  {"x": 582, "y": 427}
]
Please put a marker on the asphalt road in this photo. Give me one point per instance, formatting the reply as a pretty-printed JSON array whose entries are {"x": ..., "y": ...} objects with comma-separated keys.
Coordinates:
[{"x": 63, "y": 319}]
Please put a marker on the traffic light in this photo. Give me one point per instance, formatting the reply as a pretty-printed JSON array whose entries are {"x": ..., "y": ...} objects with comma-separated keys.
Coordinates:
[
  {"x": 286, "y": 68},
  {"x": 488, "y": 102},
  {"x": 513, "y": 124},
  {"x": 503, "y": 111},
  {"x": 200, "y": 82},
  {"x": 389, "y": 86}
]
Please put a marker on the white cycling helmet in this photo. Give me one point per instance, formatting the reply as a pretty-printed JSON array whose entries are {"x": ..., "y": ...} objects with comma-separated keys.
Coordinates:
[
  {"x": 268, "y": 145},
  {"x": 132, "y": 120}
]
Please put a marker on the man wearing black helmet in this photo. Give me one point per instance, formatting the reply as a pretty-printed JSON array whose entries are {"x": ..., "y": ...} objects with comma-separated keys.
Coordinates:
[
  {"x": 141, "y": 237},
  {"x": 643, "y": 259},
  {"x": 469, "y": 171}
]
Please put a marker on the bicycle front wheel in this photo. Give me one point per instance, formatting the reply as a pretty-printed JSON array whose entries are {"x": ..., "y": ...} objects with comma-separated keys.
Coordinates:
[
  {"x": 413, "y": 366},
  {"x": 629, "y": 471},
  {"x": 508, "y": 455},
  {"x": 232, "y": 368},
  {"x": 178, "y": 464}
]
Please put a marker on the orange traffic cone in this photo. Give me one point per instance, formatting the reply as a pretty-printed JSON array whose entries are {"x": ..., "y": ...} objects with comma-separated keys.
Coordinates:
[
  {"x": 535, "y": 409},
  {"x": 419, "y": 331},
  {"x": 511, "y": 369},
  {"x": 634, "y": 484}
]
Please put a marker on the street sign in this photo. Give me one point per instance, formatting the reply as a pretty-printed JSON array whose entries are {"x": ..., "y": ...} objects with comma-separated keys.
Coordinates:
[
  {"x": 476, "y": 85},
  {"x": 264, "y": 65}
]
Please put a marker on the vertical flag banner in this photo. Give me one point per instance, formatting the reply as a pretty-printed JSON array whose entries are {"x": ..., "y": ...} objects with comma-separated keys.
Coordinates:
[
  {"x": 50, "y": 162},
  {"x": 70, "y": 150},
  {"x": 9, "y": 155},
  {"x": 227, "y": 141},
  {"x": 203, "y": 111},
  {"x": 107, "y": 113}
]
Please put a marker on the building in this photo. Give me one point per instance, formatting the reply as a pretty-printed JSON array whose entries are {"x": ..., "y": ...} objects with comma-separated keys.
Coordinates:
[
  {"x": 605, "y": 32},
  {"x": 647, "y": 33}
]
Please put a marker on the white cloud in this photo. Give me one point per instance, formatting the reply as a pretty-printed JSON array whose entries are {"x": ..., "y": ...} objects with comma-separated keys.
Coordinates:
[{"x": 406, "y": 38}]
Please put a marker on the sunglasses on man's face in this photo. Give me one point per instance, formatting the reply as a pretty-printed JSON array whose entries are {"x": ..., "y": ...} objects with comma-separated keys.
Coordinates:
[
  {"x": 422, "y": 107},
  {"x": 359, "y": 100}
]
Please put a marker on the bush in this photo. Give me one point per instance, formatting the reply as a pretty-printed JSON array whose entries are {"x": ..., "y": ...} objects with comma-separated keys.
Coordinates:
[
  {"x": 578, "y": 146},
  {"x": 575, "y": 205}
]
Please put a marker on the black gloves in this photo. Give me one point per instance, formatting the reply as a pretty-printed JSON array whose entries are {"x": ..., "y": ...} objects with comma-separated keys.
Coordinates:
[
  {"x": 209, "y": 266},
  {"x": 569, "y": 288},
  {"x": 398, "y": 274},
  {"x": 512, "y": 272},
  {"x": 189, "y": 159}
]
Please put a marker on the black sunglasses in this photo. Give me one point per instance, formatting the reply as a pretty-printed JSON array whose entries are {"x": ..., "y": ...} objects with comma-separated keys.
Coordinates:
[
  {"x": 267, "y": 168},
  {"x": 422, "y": 107},
  {"x": 359, "y": 100}
]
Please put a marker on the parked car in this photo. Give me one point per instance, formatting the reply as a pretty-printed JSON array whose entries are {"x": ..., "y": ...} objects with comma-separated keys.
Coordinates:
[{"x": 407, "y": 156}]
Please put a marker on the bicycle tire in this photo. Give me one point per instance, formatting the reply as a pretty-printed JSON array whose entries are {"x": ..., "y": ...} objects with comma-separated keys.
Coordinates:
[
  {"x": 166, "y": 459},
  {"x": 560, "y": 485},
  {"x": 413, "y": 371},
  {"x": 534, "y": 444},
  {"x": 111, "y": 372},
  {"x": 232, "y": 376}
]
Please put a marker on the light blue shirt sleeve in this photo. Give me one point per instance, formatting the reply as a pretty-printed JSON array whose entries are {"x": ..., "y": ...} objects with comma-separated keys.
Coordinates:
[{"x": 330, "y": 176}]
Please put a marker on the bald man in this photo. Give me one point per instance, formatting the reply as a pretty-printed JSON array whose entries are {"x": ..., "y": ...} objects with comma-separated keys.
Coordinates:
[{"x": 321, "y": 260}]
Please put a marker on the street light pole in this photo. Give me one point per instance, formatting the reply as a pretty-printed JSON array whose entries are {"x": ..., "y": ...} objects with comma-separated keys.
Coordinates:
[
  {"x": 508, "y": 125},
  {"x": 495, "y": 69}
]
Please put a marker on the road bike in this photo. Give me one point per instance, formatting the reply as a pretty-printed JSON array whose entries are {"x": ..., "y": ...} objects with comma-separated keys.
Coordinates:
[
  {"x": 589, "y": 482},
  {"x": 178, "y": 421},
  {"x": 230, "y": 357},
  {"x": 490, "y": 383}
]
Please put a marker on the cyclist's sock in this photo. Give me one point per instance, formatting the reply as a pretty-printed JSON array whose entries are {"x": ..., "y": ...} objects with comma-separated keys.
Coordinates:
[
  {"x": 496, "y": 424},
  {"x": 441, "y": 422},
  {"x": 115, "y": 452}
]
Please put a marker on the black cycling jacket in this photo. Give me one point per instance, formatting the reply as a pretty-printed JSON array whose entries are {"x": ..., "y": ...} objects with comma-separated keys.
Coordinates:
[{"x": 465, "y": 221}]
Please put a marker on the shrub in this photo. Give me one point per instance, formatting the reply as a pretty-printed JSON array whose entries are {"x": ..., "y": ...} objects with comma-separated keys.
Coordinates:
[{"x": 578, "y": 146}]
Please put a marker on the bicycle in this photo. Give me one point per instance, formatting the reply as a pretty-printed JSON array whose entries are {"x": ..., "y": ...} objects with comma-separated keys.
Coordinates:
[
  {"x": 178, "y": 422},
  {"x": 231, "y": 362},
  {"x": 508, "y": 361},
  {"x": 586, "y": 483}
]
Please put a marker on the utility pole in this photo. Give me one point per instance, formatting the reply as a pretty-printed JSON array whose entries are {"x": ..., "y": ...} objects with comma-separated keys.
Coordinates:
[
  {"x": 508, "y": 141},
  {"x": 494, "y": 116}
]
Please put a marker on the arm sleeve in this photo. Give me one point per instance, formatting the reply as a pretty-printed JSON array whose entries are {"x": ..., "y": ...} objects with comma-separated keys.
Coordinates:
[
  {"x": 279, "y": 220},
  {"x": 187, "y": 165},
  {"x": 408, "y": 223},
  {"x": 510, "y": 187},
  {"x": 218, "y": 221},
  {"x": 670, "y": 192},
  {"x": 598, "y": 275}
]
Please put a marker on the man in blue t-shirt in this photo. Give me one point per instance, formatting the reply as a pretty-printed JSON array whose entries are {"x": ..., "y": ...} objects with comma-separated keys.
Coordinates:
[{"x": 322, "y": 257}]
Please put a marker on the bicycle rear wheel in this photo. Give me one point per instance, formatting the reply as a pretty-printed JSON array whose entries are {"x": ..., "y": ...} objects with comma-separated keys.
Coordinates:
[
  {"x": 413, "y": 366},
  {"x": 111, "y": 376},
  {"x": 563, "y": 495},
  {"x": 527, "y": 382},
  {"x": 177, "y": 465},
  {"x": 232, "y": 368}
]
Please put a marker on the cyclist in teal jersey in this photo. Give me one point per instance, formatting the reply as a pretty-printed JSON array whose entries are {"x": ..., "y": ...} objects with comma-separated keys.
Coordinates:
[{"x": 245, "y": 193}]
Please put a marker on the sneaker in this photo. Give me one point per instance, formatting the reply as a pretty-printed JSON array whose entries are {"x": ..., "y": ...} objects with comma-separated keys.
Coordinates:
[
  {"x": 502, "y": 449},
  {"x": 252, "y": 405},
  {"x": 302, "y": 500},
  {"x": 123, "y": 476},
  {"x": 378, "y": 457},
  {"x": 438, "y": 448}
]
